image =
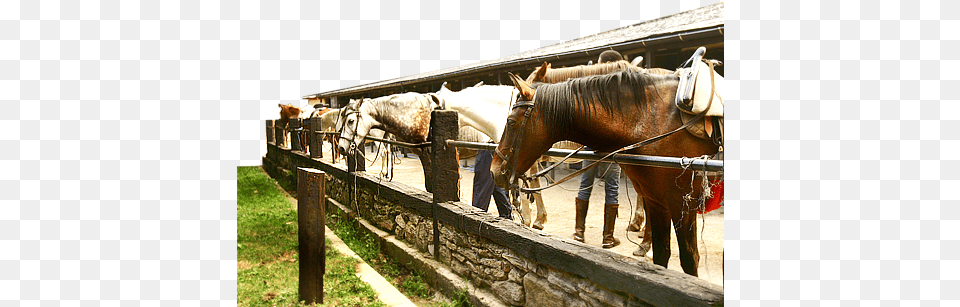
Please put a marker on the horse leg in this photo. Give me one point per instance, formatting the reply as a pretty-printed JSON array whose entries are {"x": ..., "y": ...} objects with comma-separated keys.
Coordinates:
[
  {"x": 686, "y": 228},
  {"x": 541, "y": 210},
  {"x": 636, "y": 223},
  {"x": 659, "y": 220},
  {"x": 646, "y": 235},
  {"x": 525, "y": 211}
]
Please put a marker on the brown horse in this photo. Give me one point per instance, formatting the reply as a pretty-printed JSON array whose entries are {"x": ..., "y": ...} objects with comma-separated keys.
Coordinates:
[
  {"x": 288, "y": 112},
  {"x": 546, "y": 74},
  {"x": 609, "y": 112}
]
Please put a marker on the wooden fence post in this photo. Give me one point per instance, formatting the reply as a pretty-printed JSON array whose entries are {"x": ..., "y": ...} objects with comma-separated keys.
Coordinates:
[
  {"x": 295, "y": 129},
  {"x": 270, "y": 135},
  {"x": 278, "y": 134},
  {"x": 356, "y": 161},
  {"x": 311, "y": 223},
  {"x": 316, "y": 140},
  {"x": 444, "y": 125}
]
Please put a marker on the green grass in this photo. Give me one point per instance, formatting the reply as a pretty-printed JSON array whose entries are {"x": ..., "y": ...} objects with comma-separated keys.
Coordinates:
[
  {"x": 267, "y": 268},
  {"x": 410, "y": 283}
]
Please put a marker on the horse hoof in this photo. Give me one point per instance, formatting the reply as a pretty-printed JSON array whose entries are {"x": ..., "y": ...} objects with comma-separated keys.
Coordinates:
[
  {"x": 537, "y": 226},
  {"x": 640, "y": 252}
]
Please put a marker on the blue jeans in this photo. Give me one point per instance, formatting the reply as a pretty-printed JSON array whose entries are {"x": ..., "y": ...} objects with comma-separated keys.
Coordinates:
[
  {"x": 483, "y": 186},
  {"x": 611, "y": 181}
]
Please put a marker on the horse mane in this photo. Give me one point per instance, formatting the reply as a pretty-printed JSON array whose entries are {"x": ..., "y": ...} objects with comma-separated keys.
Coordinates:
[
  {"x": 659, "y": 71},
  {"x": 561, "y": 103},
  {"x": 555, "y": 75}
]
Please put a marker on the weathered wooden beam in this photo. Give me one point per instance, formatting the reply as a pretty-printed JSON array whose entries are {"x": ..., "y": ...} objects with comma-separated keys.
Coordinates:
[
  {"x": 311, "y": 221},
  {"x": 278, "y": 133},
  {"x": 270, "y": 135},
  {"x": 316, "y": 140},
  {"x": 446, "y": 169},
  {"x": 295, "y": 144},
  {"x": 444, "y": 125}
]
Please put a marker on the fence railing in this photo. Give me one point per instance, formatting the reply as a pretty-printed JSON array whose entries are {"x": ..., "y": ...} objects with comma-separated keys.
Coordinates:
[
  {"x": 442, "y": 145},
  {"x": 315, "y": 148}
]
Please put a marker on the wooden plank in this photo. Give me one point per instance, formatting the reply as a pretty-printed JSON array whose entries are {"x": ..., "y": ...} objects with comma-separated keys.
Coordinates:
[
  {"x": 311, "y": 220},
  {"x": 446, "y": 169},
  {"x": 270, "y": 135},
  {"x": 316, "y": 140},
  {"x": 278, "y": 132}
]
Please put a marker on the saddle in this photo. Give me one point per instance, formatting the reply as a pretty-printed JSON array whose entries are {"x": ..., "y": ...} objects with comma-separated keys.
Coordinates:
[{"x": 694, "y": 94}]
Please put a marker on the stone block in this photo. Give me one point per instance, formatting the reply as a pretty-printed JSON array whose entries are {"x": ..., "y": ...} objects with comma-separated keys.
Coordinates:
[
  {"x": 509, "y": 292},
  {"x": 471, "y": 255},
  {"x": 515, "y": 275},
  {"x": 492, "y": 273},
  {"x": 514, "y": 259},
  {"x": 538, "y": 292},
  {"x": 490, "y": 262},
  {"x": 400, "y": 222},
  {"x": 608, "y": 298},
  {"x": 459, "y": 267},
  {"x": 573, "y": 301},
  {"x": 564, "y": 281}
]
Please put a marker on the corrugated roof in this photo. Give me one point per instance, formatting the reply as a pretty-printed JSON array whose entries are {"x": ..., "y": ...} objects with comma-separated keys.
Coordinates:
[{"x": 710, "y": 16}]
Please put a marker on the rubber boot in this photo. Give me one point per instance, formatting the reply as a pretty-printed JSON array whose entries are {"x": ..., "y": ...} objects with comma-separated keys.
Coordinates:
[
  {"x": 609, "y": 219},
  {"x": 581, "y": 221}
]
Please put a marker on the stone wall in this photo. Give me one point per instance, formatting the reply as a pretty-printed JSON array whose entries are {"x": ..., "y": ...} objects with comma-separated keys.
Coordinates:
[{"x": 518, "y": 265}]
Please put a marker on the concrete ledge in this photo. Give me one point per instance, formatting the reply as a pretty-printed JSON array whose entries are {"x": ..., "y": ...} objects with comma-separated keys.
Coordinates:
[
  {"x": 386, "y": 292},
  {"x": 438, "y": 275}
]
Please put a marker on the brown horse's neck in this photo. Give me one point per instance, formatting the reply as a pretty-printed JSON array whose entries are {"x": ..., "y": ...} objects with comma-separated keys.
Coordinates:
[{"x": 608, "y": 130}]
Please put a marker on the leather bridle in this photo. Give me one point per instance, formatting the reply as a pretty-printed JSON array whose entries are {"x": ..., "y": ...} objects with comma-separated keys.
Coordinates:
[
  {"x": 512, "y": 155},
  {"x": 344, "y": 115}
]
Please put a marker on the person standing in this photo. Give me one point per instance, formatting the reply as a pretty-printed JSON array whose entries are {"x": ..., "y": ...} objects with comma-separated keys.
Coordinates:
[
  {"x": 483, "y": 187},
  {"x": 611, "y": 182}
]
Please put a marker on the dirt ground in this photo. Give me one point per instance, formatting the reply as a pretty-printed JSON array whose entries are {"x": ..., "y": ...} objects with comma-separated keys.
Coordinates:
[{"x": 559, "y": 203}]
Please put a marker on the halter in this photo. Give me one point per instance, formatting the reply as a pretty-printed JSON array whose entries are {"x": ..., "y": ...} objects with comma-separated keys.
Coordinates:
[
  {"x": 353, "y": 144},
  {"x": 513, "y": 153}
]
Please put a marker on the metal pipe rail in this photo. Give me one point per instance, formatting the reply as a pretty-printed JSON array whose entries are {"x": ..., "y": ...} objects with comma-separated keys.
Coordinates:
[
  {"x": 630, "y": 159},
  {"x": 404, "y": 144},
  {"x": 645, "y": 160}
]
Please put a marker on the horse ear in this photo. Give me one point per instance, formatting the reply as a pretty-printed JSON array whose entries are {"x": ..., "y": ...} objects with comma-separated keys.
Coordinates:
[
  {"x": 542, "y": 72},
  {"x": 521, "y": 85},
  {"x": 478, "y": 83}
]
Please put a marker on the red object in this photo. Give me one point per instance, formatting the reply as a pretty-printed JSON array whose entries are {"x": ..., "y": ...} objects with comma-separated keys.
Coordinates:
[{"x": 714, "y": 202}]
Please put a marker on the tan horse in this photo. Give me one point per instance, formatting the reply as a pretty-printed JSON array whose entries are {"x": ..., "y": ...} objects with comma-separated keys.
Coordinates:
[{"x": 288, "y": 112}]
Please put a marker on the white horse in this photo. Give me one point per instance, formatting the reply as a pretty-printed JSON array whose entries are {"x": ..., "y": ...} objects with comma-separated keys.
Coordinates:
[
  {"x": 328, "y": 123},
  {"x": 485, "y": 108},
  {"x": 406, "y": 116}
]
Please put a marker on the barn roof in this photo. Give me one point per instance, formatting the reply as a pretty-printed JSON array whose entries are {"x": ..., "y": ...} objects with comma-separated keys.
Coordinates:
[{"x": 694, "y": 22}]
